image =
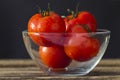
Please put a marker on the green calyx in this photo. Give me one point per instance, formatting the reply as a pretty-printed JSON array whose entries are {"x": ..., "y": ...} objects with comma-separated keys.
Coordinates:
[
  {"x": 74, "y": 13},
  {"x": 45, "y": 12},
  {"x": 86, "y": 28}
]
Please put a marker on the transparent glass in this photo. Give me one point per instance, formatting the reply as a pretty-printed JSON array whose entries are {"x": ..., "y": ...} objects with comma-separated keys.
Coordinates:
[{"x": 75, "y": 67}]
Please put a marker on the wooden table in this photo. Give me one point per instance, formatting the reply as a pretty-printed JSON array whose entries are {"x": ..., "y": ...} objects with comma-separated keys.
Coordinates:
[{"x": 107, "y": 69}]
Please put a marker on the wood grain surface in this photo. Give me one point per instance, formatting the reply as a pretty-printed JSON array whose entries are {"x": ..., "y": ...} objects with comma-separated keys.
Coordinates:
[{"x": 107, "y": 69}]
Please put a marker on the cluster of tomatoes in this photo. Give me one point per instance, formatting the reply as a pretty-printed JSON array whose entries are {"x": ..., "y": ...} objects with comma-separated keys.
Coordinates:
[{"x": 78, "y": 48}]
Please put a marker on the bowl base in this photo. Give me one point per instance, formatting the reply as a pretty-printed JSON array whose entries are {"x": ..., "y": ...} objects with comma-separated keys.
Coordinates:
[{"x": 67, "y": 71}]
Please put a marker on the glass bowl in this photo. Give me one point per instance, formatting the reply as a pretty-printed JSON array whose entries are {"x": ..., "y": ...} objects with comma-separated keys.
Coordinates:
[{"x": 87, "y": 47}]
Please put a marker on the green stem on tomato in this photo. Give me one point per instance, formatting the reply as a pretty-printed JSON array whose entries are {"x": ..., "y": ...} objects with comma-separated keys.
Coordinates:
[
  {"x": 74, "y": 13},
  {"x": 49, "y": 9},
  {"x": 44, "y": 12},
  {"x": 77, "y": 10},
  {"x": 86, "y": 28}
]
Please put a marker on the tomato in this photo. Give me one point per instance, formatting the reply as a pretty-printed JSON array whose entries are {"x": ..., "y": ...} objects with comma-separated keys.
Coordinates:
[
  {"x": 87, "y": 18},
  {"x": 77, "y": 29},
  {"x": 70, "y": 22},
  {"x": 54, "y": 56},
  {"x": 45, "y": 23},
  {"x": 81, "y": 48},
  {"x": 79, "y": 45},
  {"x": 82, "y": 18}
]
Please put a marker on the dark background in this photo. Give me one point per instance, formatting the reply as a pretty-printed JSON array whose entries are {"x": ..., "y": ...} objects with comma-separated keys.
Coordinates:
[{"x": 14, "y": 15}]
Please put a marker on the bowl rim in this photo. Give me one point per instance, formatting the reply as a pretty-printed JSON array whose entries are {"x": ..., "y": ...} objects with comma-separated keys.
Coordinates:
[{"x": 98, "y": 31}]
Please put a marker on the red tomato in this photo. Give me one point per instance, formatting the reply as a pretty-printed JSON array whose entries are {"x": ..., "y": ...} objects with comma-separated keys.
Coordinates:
[
  {"x": 54, "y": 56},
  {"x": 81, "y": 48},
  {"x": 87, "y": 18},
  {"x": 77, "y": 29},
  {"x": 70, "y": 22},
  {"x": 52, "y": 23},
  {"x": 82, "y": 18}
]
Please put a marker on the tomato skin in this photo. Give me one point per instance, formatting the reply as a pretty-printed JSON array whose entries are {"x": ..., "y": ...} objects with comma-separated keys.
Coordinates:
[
  {"x": 47, "y": 24},
  {"x": 81, "y": 48},
  {"x": 54, "y": 56},
  {"x": 79, "y": 45},
  {"x": 83, "y": 18},
  {"x": 70, "y": 23},
  {"x": 87, "y": 18},
  {"x": 77, "y": 29}
]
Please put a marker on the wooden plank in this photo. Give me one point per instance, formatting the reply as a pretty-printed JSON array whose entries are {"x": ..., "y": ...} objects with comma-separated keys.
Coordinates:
[
  {"x": 17, "y": 63},
  {"x": 27, "y": 70},
  {"x": 61, "y": 78},
  {"x": 97, "y": 71},
  {"x": 109, "y": 62},
  {"x": 29, "y": 62}
]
